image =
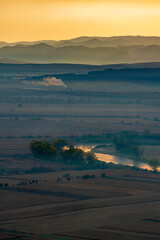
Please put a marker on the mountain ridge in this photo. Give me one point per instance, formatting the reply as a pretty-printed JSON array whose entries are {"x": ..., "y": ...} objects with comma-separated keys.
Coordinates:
[
  {"x": 131, "y": 40},
  {"x": 86, "y": 50},
  {"x": 43, "y": 53}
]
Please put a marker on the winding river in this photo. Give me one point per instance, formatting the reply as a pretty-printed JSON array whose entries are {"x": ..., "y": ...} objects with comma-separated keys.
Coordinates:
[{"x": 117, "y": 159}]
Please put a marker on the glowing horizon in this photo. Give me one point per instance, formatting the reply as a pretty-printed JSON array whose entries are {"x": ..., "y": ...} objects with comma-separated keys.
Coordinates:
[{"x": 35, "y": 20}]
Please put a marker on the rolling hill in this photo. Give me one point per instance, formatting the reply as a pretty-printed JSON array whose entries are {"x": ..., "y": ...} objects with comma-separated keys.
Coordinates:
[
  {"x": 85, "y": 50},
  {"x": 44, "y": 53}
]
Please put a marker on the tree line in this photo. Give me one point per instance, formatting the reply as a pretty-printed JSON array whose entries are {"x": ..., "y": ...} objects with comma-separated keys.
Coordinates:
[
  {"x": 65, "y": 152},
  {"x": 60, "y": 150}
]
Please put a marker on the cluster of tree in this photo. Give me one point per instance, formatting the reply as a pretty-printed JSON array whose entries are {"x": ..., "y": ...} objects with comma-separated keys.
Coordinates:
[
  {"x": 62, "y": 151},
  {"x": 2, "y": 171},
  {"x": 136, "y": 138},
  {"x": 34, "y": 181},
  {"x": 68, "y": 177},
  {"x": 4, "y": 185},
  {"x": 124, "y": 145},
  {"x": 87, "y": 176},
  {"x": 154, "y": 164},
  {"x": 43, "y": 150}
]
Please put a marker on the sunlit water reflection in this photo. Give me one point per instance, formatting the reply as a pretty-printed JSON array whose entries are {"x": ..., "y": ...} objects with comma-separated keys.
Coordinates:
[{"x": 116, "y": 159}]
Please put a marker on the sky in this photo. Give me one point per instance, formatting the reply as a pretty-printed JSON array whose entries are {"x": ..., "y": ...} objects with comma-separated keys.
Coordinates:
[{"x": 31, "y": 20}]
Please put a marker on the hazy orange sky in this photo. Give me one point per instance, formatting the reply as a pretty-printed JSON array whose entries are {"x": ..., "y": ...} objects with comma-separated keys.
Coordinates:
[{"x": 64, "y": 19}]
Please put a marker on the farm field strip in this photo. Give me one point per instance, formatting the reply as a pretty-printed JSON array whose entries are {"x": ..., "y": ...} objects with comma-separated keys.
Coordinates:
[
  {"x": 76, "y": 206},
  {"x": 41, "y": 214},
  {"x": 109, "y": 216}
]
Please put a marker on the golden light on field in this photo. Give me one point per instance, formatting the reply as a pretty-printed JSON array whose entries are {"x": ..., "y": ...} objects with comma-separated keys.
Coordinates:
[{"x": 46, "y": 19}]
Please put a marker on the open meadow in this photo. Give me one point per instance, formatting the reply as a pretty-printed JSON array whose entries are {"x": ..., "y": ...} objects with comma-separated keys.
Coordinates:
[
  {"x": 123, "y": 205},
  {"x": 74, "y": 119}
]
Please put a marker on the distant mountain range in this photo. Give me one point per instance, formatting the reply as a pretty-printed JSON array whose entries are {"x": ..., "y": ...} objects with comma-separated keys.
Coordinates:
[{"x": 84, "y": 50}]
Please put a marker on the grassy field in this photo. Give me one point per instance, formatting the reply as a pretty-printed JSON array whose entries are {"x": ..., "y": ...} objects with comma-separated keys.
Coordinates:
[
  {"x": 124, "y": 205},
  {"x": 110, "y": 86},
  {"x": 75, "y": 119},
  {"x": 98, "y": 106}
]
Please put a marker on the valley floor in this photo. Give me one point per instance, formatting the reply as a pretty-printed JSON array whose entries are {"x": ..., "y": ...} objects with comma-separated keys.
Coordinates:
[{"x": 124, "y": 205}]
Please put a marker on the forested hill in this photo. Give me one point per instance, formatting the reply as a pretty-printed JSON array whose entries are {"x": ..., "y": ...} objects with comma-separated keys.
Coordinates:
[
  {"x": 124, "y": 74},
  {"x": 60, "y": 68}
]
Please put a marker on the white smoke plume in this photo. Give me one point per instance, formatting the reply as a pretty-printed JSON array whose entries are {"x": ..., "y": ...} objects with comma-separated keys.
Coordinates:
[{"x": 50, "y": 81}]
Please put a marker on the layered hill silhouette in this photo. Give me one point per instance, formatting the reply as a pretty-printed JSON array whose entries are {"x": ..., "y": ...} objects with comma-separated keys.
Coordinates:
[
  {"x": 71, "y": 69},
  {"x": 85, "y": 50}
]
